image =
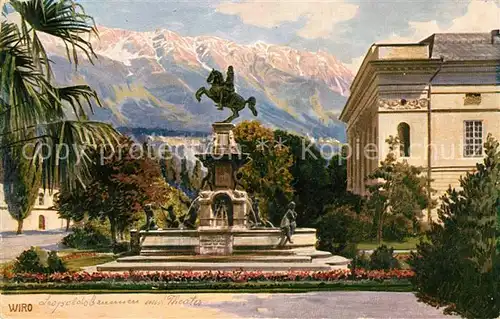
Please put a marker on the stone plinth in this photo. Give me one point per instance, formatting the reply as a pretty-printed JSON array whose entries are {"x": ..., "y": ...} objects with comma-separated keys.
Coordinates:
[{"x": 215, "y": 242}]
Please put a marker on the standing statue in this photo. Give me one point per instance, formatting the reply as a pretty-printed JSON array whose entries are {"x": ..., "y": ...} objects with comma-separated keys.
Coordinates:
[
  {"x": 150, "y": 219},
  {"x": 288, "y": 224},
  {"x": 256, "y": 212},
  {"x": 222, "y": 92}
]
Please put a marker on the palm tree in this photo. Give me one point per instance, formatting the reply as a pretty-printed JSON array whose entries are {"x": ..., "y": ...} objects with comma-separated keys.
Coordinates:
[{"x": 33, "y": 110}]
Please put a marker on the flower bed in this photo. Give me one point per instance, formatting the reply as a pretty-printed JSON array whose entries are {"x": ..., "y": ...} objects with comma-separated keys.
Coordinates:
[{"x": 209, "y": 276}]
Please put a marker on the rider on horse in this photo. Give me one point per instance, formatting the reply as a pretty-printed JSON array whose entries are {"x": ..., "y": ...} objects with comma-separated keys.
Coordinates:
[{"x": 228, "y": 87}]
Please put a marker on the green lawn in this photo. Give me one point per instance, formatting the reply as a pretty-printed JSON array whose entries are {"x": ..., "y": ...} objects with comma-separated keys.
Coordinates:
[
  {"x": 78, "y": 263},
  {"x": 410, "y": 243},
  {"x": 400, "y": 285}
]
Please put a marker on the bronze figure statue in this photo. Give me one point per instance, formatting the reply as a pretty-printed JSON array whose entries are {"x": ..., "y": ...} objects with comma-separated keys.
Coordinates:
[
  {"x": 150, "y": 219},
  {"x": 288, "y": 224},
  {"x": 223, "y": 93}
]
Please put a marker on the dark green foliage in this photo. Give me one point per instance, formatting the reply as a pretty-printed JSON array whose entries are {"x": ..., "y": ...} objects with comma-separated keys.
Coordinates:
[
  {"x": 87, "y": 237},
  {"x": 70, "y": 204},
  {"x": 35, "y": 260},
  {"x": 338, "y": 229},
  {"x": 361, "y": 261},
  {"x": 54, "y": 263},
  {"x": 185, "y": 179},
  {"x": 21, "y": 182},
  {"x": 349, "y": 251},
  {"x": 398, "y": 194},
  {"x": 311, "y": 183},
  {"x": 383, "y": 258},
  {"x": 28, "y": 261},
  {"x": 121, "y": 247},
  {"x": 398, "y": 227},
  {"x": 317, "y": 182},
  {"x": 459, "y": 266}
]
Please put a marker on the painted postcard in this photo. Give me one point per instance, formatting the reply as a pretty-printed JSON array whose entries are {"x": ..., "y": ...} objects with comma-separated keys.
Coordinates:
[{"x": 249, "y": 159}]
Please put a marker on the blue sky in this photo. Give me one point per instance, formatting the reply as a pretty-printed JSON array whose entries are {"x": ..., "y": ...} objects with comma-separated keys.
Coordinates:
[{"x": 344, "y": 28}]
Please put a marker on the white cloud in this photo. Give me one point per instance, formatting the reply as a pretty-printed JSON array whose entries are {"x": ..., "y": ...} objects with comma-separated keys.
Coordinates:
[
  {"x": 481, "y": 16},
  {"x": 321, "y": 16}
]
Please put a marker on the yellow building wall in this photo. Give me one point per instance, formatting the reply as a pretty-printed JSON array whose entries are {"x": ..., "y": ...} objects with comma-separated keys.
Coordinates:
[{"x": 388, "y": 125}]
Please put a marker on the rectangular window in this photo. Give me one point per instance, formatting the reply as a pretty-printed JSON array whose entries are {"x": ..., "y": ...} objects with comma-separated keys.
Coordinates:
[{"x": 473, "y": 131}]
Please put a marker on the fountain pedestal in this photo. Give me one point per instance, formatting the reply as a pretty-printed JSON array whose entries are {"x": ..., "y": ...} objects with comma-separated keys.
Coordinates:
[{"x": 222, "y": 208}]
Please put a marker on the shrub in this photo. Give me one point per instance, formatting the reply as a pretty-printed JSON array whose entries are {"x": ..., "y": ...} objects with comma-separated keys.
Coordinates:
[
  {"x": 54, "y": 263},
  {"x": 36, "y": 260},
  {"x": 338, "y": 230},
  {"x": 361, "y": 261},
  {"x": 29, "y": 261},
  {"x": 383, "y": 258},
  {"x": 88, "y": 236},
  {"x": 349, "y": 251},
  {"x": 121, "y": 247},
  {"x": 458, "y": 266}
]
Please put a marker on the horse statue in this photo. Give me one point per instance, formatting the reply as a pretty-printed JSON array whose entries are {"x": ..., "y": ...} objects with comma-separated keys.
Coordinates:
[{"x": 223, "y": 93}]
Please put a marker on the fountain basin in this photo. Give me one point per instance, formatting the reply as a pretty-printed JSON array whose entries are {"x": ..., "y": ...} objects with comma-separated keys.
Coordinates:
[{"x": 235, "y": 239}]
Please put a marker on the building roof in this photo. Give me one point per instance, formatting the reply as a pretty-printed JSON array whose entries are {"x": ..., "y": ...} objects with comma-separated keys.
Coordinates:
[
  {"x": 464, "y": 46},
  {"x": 449, "y": 46}
]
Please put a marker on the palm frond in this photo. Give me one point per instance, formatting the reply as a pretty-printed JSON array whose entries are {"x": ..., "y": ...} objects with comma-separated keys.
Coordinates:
[
  {"x": 73, "y": 95},
  {"x": 63, "y": 19},
  {"x": 63, "y": 151}
]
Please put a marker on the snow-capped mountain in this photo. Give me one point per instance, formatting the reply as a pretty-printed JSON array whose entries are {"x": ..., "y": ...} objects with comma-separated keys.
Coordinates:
[{"x": 148, "y": 79}]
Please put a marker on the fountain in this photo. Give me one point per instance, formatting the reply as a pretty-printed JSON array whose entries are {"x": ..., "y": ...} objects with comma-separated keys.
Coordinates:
[{"x": 224, "y": 239}]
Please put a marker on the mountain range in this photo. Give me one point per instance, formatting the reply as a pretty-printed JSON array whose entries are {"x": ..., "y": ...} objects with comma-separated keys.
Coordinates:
[{"x": 148, "y": 79}]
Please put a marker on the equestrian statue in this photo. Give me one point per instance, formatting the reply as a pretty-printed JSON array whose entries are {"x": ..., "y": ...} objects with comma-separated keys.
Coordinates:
[{"x": 223, "y": 93}]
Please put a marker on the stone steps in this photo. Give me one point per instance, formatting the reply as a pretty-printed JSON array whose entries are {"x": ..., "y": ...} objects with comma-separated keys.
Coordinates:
[
  {"x": 202, "y": 266},
  {"x": 216, "y": 259}
]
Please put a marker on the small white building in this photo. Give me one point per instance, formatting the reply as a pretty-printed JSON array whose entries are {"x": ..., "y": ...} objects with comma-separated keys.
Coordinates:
[{"x": 43, "y": 216}]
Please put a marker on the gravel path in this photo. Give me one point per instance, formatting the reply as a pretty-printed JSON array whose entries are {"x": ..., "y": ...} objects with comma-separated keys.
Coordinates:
[
  {"x": 336, "y": 304},
  {"x": 12, "y": 245}
]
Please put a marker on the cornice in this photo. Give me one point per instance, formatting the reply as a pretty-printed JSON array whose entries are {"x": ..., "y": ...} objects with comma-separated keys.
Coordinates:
[{"x": 370, "y": 69}]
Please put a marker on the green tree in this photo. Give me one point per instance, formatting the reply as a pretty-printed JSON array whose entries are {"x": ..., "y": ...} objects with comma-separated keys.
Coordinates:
[
  {"x": 123, "y": 183},
  {"x": 398, "y": 194},
  {"x": 268, "y": 175},
  {"x": 313, "y": 188},
  {"x": 459, "y": 265},
  {"x": 32, "y": 108},
  {"x": 185, "y": 179},
  {"x": 197, "y": 176},
  {"x": 21, "y": 183},
  {"x": 70, "y": 205},
  {"x": 337, "y": 175}
]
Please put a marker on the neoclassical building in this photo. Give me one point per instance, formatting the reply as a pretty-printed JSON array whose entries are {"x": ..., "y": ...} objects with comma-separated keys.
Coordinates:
[
  {"x": 43, "y": 216},
  {"x": 440, "y": 96}
]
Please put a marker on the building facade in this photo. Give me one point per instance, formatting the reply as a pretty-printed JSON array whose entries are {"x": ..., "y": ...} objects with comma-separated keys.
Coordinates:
[
  {"x": 440, "y": 96},
  {"x": 43, "y": 216}
]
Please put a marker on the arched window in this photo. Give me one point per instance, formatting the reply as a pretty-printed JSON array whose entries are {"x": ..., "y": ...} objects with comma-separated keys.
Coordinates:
[
  {"x": 41, "y": 199},
  {"x": 41, "y": 222},
  {"x": 404, "y": 139}
]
